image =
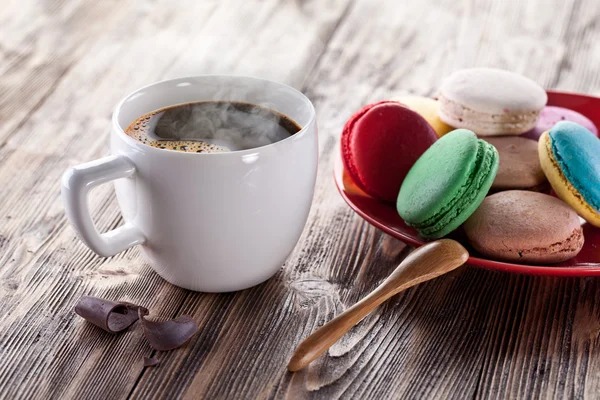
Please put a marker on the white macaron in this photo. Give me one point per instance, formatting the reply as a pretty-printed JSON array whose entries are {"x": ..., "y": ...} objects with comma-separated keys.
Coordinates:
[{"x": 491, "y": 102}]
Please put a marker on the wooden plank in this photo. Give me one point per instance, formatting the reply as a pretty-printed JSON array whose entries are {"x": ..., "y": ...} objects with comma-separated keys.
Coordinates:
[
  {"x": 315, "y": 26},
  {"x": 45, "y": 268},
  {"x": 39, "y": 45},
  {"x": 46, "y": 351},
  {"x": 546, "y": 343},
  {"x": 439, "y": 348},
  {"x": 473, "y": 333},
  {"x": 455, "y": 373}
]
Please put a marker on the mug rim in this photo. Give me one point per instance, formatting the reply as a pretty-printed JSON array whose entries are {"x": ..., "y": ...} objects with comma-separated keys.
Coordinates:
[{"x": 144, "y": 147}]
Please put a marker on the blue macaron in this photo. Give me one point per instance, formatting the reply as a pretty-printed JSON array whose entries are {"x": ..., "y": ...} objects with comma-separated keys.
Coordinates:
[{"x": 570, "y": 157}]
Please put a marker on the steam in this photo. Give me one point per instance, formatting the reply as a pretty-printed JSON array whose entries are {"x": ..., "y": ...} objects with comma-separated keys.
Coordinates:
[{"x": 235, "y": 125}]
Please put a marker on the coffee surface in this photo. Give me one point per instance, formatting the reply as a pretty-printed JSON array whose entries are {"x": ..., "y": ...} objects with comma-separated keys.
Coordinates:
[{"x": 212, "y": 127}]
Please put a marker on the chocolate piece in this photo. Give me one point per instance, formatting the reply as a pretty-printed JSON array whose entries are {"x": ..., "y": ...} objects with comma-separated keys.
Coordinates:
[
  {"x": 151, "y": 362},
  {"x": 111, "y": 316},
  {"x": 167, "y": 335},
  {"x": 114, "y": 317}
]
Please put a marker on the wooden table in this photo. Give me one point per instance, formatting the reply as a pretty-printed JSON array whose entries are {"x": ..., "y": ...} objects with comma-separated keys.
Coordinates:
[{"x": 475, "y": 333}]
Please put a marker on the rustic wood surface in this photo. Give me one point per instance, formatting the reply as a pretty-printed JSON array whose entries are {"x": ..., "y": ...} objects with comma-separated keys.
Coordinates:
[
  {"x": 470, "y": 334},
  {"x": 421, "y": 265}
]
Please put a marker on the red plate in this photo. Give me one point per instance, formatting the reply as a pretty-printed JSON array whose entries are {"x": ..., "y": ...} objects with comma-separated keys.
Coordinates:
[{"x": 384, "y": 216}]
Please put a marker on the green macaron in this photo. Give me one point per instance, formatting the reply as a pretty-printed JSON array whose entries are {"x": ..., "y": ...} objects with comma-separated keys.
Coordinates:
[{"x": 447, "y": 183}]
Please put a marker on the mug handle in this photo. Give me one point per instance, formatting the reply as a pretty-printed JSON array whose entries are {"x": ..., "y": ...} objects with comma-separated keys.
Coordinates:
[{"x": 77, "y": 183}]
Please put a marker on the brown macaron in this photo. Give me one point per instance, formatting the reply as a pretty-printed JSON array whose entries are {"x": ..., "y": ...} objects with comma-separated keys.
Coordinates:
[
  {"x": 524, "y": 226},
  {"x": 519, "y": 165}
]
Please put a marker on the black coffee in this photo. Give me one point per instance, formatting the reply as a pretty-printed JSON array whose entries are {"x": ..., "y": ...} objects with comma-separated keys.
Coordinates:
[{"x": 212, "y": 126}]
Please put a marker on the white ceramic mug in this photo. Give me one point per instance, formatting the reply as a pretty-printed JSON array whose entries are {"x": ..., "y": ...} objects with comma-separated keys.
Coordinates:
[{"x": 212, "y": 222}]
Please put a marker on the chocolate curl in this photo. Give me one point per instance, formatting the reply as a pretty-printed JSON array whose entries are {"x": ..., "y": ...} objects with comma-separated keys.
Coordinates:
[
  {"x": 167, "y": 335},
  {"x": 111, "y": 316},
  {"x": 150, "y": 362}
]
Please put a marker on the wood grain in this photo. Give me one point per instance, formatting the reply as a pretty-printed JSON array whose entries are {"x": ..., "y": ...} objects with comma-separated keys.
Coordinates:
[
  {"x": 470, "y": 334},
  {"x": 425, "y": 263}
]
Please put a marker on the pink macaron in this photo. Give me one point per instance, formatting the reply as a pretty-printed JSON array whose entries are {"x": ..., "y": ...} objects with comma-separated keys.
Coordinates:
[{"x": 550, "y": 115}]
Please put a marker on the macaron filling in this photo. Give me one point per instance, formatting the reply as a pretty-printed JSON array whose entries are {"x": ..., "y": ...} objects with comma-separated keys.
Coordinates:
[
  {"x": 440, "y": 222},
  {"x": 577, "y": 168},
  {"x": 478, "y": 120}
]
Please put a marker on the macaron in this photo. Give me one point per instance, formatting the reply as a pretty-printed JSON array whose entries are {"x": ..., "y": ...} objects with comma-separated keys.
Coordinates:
[
  {"x": 447, "y": 183},
  {"x": 379, "y": 145},
  {"x": 570, "y": 157},
  {"x": 428, "y": 109},
  {"x": 550, "y": 115},
  {"x": 519, "y": 164},
  {"x": 491, "y": 102},
  {"x": 524, "y": 226}
]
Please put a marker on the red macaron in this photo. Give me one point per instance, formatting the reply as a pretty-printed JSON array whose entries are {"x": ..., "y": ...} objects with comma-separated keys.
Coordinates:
[{"x": 380, "y": 143}]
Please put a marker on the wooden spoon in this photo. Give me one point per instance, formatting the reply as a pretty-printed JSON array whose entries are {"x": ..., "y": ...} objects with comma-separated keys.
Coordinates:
[{"x": 425, "y": 263}]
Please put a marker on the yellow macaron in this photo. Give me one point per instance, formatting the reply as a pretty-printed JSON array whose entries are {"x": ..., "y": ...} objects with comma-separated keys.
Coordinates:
[
  {"x": 428, "y": 109},
  {"x": 569, "y": 155}
]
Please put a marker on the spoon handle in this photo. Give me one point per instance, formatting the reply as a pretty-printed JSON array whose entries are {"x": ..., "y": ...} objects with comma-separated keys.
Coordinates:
[
  {"x": 425, "y": 263},
  {"x": 324, "y": 337}
]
